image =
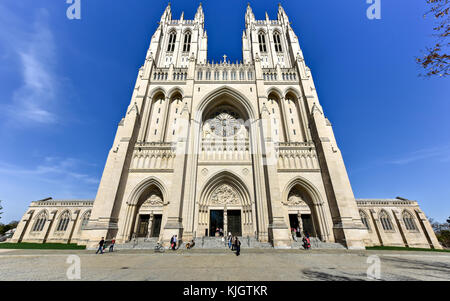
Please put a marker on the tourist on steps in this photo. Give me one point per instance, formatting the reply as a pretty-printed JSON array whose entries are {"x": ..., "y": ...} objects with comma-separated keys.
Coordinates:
[
  {"x": 229, "y": 238},
  {"x": 111, "y": 247},
  {"x": 238, "y": 247}
]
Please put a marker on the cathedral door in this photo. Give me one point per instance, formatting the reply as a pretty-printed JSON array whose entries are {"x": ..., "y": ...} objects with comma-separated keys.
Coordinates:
[
  {"x": 156, "y": 227},
  {"x": 216, "y": 221},
  {"x": 234, "y": 222},
  {"x": 143, "y": 225}
]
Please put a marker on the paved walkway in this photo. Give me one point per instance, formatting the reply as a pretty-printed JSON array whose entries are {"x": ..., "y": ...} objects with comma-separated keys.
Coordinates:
[{"x": 252, "y": 265}]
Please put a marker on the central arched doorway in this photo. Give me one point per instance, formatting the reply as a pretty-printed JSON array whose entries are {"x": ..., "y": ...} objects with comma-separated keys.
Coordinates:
[{"x": 225, "y": 207}]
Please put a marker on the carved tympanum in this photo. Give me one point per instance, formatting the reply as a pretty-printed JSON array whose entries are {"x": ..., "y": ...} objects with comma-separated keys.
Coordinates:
[{"x": 224, "y": 194}]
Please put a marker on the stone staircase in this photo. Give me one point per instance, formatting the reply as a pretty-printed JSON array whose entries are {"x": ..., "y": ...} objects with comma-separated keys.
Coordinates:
[
  {"x": 217, "y": 243},
  {"x": 316, "y": 243},
  {"x": 139, "y": 244}
]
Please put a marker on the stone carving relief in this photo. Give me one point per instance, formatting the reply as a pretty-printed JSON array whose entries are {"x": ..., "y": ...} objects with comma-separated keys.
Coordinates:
[
  {"x": 295, "y": 199},
  {"x": 153, "y": 200},
  {"x": 224, "y": 194}
]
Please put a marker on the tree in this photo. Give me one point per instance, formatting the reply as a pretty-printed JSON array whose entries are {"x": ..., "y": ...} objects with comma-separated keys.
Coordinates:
[
  {"x": 436, "y": 61},
  {"x": 1, "y": 209},
  {"x": 442, "y": 231}
]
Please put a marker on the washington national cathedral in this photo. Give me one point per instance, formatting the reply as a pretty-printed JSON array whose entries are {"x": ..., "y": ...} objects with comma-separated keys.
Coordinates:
[{"x": 245, "y": 147}]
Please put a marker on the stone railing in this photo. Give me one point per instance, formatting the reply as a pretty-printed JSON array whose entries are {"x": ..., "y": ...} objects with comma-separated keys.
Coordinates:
[
  {"x": 153, "y": 156},
  {"x": 385, "y": 202},
  {"x": 165, "y": 74},
  {"x": 271, "y": 74},
  {"x": 225, "y": 150},
  {"x": 296, "y": 156},
  {"x": 63, "y": 203},
  {"x": 224, "y": 71}
]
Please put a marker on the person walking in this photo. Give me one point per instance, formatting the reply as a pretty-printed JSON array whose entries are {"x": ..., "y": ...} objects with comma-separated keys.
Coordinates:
[
  {"x": 111, "y": 247},
  {"x": 100, "y": 246},
  {"x": 238, "y": 247},
  {"x": 233, "y": 243},
  {"x": 174, "y": 243},
  {"x": 171, "y": 241}
]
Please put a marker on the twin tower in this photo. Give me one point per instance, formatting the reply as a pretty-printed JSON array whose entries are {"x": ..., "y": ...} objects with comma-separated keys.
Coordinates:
[{"x": 241, "y": 148}]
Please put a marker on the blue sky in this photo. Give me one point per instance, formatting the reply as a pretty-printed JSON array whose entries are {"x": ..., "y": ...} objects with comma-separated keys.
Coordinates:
[{"x": 65, "y": 84}]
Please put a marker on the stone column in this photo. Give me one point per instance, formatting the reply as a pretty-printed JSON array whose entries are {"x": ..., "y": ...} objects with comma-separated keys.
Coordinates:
[
  {"x": 22, "y": 227},
  {"x": 379, "y": 228},
  {"x": 401, "y": 227},
  {"x": 136, "y": 225},
  {"x": 225, "y": 221},
  {"x": 287, "y": 134},
  {"x": 150, "y": 223},
  {"x": 300, "y": 223},
  {"x": 428, "y": 229}
]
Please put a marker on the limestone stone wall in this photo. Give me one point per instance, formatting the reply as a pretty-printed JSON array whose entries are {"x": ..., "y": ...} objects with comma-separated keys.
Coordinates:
[
  {"x": 396, "y": 222},
  {"x": 54, "y": 221}
]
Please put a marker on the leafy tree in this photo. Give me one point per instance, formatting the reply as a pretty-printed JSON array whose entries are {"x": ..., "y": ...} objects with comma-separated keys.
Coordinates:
[
  {"x": 4, "y": 228},
  {"x": 1, "y": 209},
  {"x": 442, "y": 231},
  {"x": 436, "y": 60}
]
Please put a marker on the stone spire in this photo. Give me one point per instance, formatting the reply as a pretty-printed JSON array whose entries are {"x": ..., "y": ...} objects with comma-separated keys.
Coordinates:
[
  {"x": 199, "y": 15},
  {"x": 249, "y": 16},
  {"x": 282, "y": 16},
  {"x": 167, "y": 14}
]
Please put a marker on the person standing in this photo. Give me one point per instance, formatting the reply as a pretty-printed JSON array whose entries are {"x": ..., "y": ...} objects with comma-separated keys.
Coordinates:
[
  {"x": 174, "y": 242},
  {"x": 238, "y": 247},
  {"x": 100, "y": 246},
  {"x": 229, "y": 238},
  {"x": 111, "y": 247}
]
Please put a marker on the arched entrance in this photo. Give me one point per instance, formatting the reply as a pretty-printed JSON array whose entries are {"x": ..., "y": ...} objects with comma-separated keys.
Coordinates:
[
  {"x": 306, "y": 210},
  {"x": 225, "y": 205},
  {"x": 148, "y": 213}
]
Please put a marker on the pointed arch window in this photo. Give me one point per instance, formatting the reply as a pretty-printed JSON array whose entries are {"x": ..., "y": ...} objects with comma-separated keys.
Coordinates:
[
  {"x": 386, "y": 221},
  {"x": 63, "y": 221},
  {"x": 277, "y": 42},
  {"x": 172, "y": 39},
  {"x": 40, "y": 222},
  {"x": 364, "y": 219},
  {"x": 85, "y": 219},
  {"x": 262, "y": 42},
  {"x": 409, "y": 221},
  {"x": 187, "y": 42}
]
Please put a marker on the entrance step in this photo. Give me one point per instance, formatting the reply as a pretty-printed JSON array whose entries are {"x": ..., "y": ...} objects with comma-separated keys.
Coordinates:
[
  {"x": 139, "y": 244},
  {"x": 217, "y": 243},
  {"x": 316, "y": 243}
]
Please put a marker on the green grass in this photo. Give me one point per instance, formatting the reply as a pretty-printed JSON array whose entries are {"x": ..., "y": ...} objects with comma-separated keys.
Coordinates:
[
  {"x": 404, "y": 249},
  {"x": 46, "y": 246}
]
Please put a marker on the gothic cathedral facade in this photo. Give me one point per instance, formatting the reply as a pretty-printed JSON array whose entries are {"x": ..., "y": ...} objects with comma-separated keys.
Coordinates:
[{"x": 244, "y": 147}]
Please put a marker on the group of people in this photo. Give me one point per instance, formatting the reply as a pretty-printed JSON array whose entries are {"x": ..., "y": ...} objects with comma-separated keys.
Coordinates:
[
  {"x": 234, "y": 243},
  {"x": 173, "y": 242},
  {"x": 305, "y": 240},
  {"x": 219, "y": 232},
  {"x": 102, "y": 246}
]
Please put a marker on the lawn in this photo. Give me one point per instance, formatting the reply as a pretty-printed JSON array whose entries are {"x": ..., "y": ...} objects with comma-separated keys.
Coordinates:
[
  {"x": 404, "y": 249},
  {"x": 48, "y": 246}
]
